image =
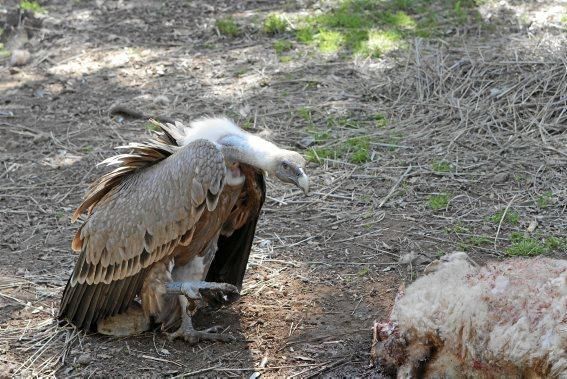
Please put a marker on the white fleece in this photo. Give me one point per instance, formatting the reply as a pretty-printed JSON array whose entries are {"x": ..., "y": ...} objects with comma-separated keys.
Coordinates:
[{"x": 512, "y": 312}]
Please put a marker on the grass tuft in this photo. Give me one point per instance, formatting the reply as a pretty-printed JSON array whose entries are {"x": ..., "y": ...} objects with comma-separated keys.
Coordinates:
[
  {"x": 441, "y": 167},
  {"x": 380, "y": 121},
  {"x": 32, "y": 6},
  {"x": 544, "y": 200},
  {"x": 512, "y": 217},
  {"x": 274, "y": 24},
  {"x": 438, "y": 201},
  {"x": 228, "y": 27},
  {"x": 4, "y": 53},
  {"x": 526, "y": 247},
  {"x": 372, "y": 28},
  {"x": 523, "y": 245},
  {"x": 360, "y": 149},
  {"x": 329, "y": 41},
  {"x": 282, "y": 45},
  {"x": 317, "y": 155}
]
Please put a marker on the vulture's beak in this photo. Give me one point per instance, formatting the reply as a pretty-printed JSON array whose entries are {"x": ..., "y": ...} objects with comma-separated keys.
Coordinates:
[{"x": 303, "y": 182}]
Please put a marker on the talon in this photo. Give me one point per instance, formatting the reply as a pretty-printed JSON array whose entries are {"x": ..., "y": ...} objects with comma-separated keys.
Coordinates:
[{"x": 190, "y": 295}]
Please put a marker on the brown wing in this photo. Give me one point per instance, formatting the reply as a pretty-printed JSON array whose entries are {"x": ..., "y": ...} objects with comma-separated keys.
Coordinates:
[
  {"x": 235, "y": 242},
  {"x": 137, "y": 223}
]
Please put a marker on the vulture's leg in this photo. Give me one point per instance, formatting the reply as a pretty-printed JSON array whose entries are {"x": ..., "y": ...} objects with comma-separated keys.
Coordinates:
[
  {"x": 192, "y": 290},
  {"x": 189, "y": 298}
]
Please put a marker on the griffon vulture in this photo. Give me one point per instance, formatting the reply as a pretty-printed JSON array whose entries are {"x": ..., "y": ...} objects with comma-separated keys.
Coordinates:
[{"x": 171, "y": 227}]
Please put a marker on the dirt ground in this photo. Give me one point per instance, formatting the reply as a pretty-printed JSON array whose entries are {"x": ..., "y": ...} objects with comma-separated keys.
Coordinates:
[{"x": 467, "y": 151}]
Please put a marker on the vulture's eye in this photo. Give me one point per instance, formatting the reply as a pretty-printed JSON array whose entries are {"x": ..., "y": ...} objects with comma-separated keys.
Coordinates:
[{"x": 285, "y": 166}]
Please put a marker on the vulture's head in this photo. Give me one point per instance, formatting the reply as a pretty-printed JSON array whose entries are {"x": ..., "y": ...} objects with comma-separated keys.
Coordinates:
[{"x": 289, "y": 167}]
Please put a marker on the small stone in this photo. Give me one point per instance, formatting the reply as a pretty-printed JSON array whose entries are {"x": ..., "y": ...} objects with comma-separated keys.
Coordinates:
[
  {"x": 306, "y": 142},
  {"x": 161, "y": 100},
  {"x": 422, "y": 260},
  {"x": 500, "y": 178},
  {"x": 20, "y": 58},
  {"x": 84, "y": 359},
  {"x": 532, "y": 226},
  {"x": 408, "y": 258}
]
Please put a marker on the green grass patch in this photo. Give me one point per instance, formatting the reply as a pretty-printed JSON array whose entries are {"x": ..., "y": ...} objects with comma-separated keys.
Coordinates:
[
  {"x": 304, "y": 113},
  {"x": 305, "y": 34},
  {"x": 511, "y": 217},
  {"x": 374, "y": 27},
  {"x": 356, "y": 149},
  {"x": 329, "y": 41},
  {"x": 523, "y": 245},
  {"x": 228, "y": 27},
  {"x": 438, "y": 201},
  {"x": 556, "y": 243},
  {"x": 457, "y": 229},
  {"x": 359, "y": 149},
  {"x": 526, "y": 247},
  {"x": 60, "y": 214},
  {"x": 32, "y": 6},
  {"x": 479, "y": 240},
  {"x": 400, "y": 20},
  {"x": 317, "y": 155},
  {"x": 283, "y": 45},
  {"x": 380, "y": 121},
  {"x": 544, "y": 200},
  {"x": 377, "y": 43},
  {"x": 320, "y": 135},
  {"x": 344, "y": 17},
  {"x": 3, "y": 52},
  {"x": 274, "y": 24},
  {"x": 441, "y": 167},
  {"x": 363, "y": 272},
  {"x": 475, "y": 241}
]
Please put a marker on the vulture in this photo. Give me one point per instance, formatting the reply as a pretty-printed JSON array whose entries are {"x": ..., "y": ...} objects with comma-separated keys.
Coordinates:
[
  {"x": 504, "y": 320},
  {"x": 170, "y": 229}
]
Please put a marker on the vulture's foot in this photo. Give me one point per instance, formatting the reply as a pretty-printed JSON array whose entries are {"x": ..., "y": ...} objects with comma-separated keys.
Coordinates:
[
  {"x": 214, "y": 294},
  {"x": 192, "y": 336}
]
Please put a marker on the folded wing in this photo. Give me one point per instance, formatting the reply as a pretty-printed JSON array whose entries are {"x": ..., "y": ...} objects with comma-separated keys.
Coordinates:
[{"x": 136, "y": 220}]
